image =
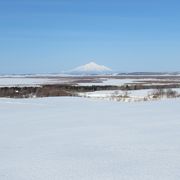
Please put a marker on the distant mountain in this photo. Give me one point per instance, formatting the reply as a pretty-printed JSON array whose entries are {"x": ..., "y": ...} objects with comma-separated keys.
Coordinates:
[{"x": 91, "y": 69}]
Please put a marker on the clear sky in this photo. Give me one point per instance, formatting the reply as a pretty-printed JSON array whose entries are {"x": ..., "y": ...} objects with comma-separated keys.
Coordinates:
[{"x": 48, "y": 36}]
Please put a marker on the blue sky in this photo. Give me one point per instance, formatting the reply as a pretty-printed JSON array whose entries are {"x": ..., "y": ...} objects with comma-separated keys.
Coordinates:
[{"x": 49, "y": 36}]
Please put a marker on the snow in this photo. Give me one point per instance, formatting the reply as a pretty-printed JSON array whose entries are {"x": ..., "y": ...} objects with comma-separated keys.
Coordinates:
[
  {"x": 176, "y": 89},
  {"x": 20, "y": 81},
  {"x": 91, "y": 67},
  {"x": 108, "y": 82},
  {"x": 85, "y": 139},
  {"x": 141, "y": 93},
  {"x": 32, "y": 80},
  {"x": 133, "y": 95},
  {"x": 99, "y": 94},
  {"x": 120, "y": 82},
  {"x": 26, "y": 81}
]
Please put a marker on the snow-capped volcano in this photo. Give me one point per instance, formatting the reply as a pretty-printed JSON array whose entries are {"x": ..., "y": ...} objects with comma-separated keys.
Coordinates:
[{"x": 91, "y": 68}]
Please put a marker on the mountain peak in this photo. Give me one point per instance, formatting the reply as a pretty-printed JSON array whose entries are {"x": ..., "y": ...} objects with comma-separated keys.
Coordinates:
[
  {"x": 91, "y": 68},
  {"x": 92, "y": 63}
]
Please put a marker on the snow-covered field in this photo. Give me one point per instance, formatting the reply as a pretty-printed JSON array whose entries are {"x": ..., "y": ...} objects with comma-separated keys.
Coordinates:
[
  {"x": 30, "y": 81},
  {"x": 85, "y": 139},
  {"x": 109, "y": 82},
  {"x": 133, "y": 95},
  {"x": 107, "y": 93},
  {"x": 9, "y": 82},
  {"x": 119, "y": 82}
]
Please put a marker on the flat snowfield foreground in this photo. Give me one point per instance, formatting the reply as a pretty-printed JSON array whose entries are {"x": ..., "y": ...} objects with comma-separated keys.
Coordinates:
[{"x": 84, "y": 139}]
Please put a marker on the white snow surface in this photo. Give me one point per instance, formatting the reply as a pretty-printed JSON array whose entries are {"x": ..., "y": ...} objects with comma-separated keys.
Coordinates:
[
  {"x": 109, "y": 93},
  {"x": 91, "y": 67},
  {"x": 20, "y": 81},
  {"x": 101, "y": 94},
  {"x": 26, "y": 81},
  {"x": 120, "y": 82},
  {"x": 84, "y": 139},
  {"x": 133, "y": 95},
  {"x": 109, "y": 82}
]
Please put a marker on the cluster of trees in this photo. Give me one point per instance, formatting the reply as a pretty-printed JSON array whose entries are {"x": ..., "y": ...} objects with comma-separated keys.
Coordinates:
[{"x": 169, "y": 93}]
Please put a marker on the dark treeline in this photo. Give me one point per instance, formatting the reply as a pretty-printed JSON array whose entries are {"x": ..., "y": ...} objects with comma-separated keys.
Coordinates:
[{"x": 70, "y": 90}]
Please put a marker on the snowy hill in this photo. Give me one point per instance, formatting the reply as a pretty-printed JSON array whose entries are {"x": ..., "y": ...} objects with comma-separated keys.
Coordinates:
[
  {"x": 91, "y": 68},
  {"x": 80, "y": 139}
]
